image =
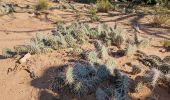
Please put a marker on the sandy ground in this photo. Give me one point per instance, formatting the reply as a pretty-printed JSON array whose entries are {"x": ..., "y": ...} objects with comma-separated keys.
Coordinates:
[{"x": 18, "y": 28}]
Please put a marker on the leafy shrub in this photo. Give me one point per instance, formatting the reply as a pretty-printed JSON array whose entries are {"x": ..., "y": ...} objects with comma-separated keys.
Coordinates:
[
  {"x": 166, "y": 43},
  {"x": 42, "y": 5},
  {"x": 103, "y": 5}
]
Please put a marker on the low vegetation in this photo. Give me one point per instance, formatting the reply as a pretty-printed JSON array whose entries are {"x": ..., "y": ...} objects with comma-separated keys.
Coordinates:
[{"x": 42, "y": 5}]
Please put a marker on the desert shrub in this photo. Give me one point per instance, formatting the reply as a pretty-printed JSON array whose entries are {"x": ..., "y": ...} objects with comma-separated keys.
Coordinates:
[
  {"x": 130, "y": 50},
  {"x": 7, "y": 8},
  {"x": 166, "y": 43},
  {"x": 7, "y": 53},
  {"x": 103, "y": 5},
  {"x": 93, "y": 14},
  {"x": 160, "y": 19},
  {"x": 42, "y": 5}
]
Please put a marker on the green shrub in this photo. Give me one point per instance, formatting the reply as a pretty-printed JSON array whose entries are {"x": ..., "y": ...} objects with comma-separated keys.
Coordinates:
[
  {"x": 42, "y": 5},
  {"x": 166, "y": 43},
  {"x": 93, "y": 14},
  {"x": 103, "y": 5}
]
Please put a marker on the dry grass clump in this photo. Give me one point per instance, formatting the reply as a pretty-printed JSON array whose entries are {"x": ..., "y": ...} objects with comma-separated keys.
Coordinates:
[{"x": 160, "y": 19}]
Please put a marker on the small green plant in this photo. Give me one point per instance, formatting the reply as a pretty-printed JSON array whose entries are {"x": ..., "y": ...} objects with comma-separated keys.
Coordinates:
[
  {"x": 103, "y": 5},
  {"x": 42, "y": 5},
  {"x": 166, "y": 43},
  {"x": 93, "y": 14}
]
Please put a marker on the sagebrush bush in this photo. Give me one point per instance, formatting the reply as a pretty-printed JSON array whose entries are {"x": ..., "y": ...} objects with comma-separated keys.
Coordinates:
[
  {"x": 42, "y": 5},
  {"x": 103, "y": 5},
  {"x": 166, "y": 43}
]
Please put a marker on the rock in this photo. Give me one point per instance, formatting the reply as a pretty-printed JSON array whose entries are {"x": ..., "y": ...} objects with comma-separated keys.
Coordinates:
[{"x": 24, "y": 59}]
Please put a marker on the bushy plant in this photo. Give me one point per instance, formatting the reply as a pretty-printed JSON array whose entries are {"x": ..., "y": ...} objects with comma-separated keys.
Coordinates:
[
  {"x": 166, "y": 43},
  {"x": 103, "y": 5},
  {"x": 93, "y": 14},
  {"x": 42, "y": 5}
]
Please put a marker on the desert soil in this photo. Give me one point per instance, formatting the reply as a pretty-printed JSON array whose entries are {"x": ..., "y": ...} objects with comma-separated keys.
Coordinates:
[{"x": 19, "y": 28}]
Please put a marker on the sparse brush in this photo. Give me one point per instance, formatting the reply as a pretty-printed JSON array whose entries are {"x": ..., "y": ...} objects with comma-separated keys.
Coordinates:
[
  {"x": 119, "y": 40},
  {"x": 160, "y": 19},
  {"x": 101, "y": 49},
  {"x": 121, "y": 84},
  {"x": 135, "y": 69},
  {"x": 138, "y": 41},
  {"x": 71, "y": 41},
  {"x": 164, "y": 68},
  {"x": 101, "y": 94},
  {"x": 47, "y": 50},
  {"x": 80, "y": 36},
  {"x": 166, "y": 44},
  {"x": 77, "y": 51},
  {"x": 61, "y": 41},
  {"x": 154, "y": 76},
  {"x": 130, "y": 50},
  {"x": 42, "y": 5},
  {"x": 110, "y": 65},
  {"x": 94, "y": 34},
  {"x": 8, "y": 53},
  {"x": 93, "y": 14},
  {"x": 144, "y": 43},
  {"x": 139, "y": 86},
  {"x": 7, "y": 8},
  {"x": 104, "y": 5},
  {"x": 166, "y": 59},
  {"x": 91, "y": 57}
]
